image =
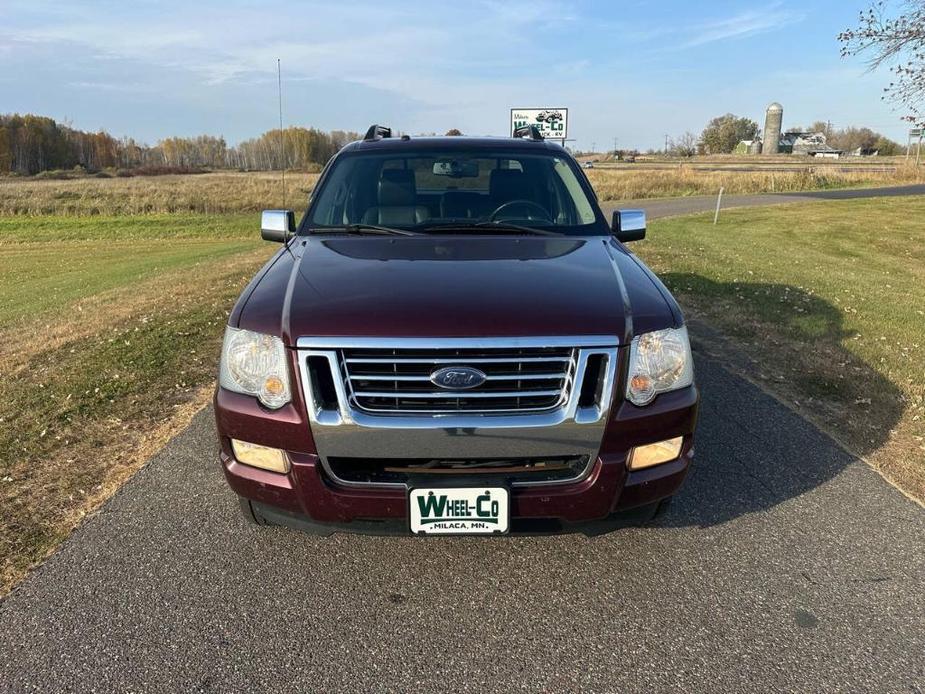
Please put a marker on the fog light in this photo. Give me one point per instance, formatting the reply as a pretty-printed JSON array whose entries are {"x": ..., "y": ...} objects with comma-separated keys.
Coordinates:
[
  {"x": 655, "y": 453},
  {"x": 260, "y": 456}
]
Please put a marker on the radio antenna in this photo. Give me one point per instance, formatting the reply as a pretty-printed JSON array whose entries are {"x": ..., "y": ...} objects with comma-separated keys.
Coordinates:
[{"x": 282, "y": 151}]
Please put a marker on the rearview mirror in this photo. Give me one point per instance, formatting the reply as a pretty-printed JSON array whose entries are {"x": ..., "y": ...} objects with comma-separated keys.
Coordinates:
[
  {"x": 277, "y": 225},
  {"x": 629, "y": 225},
  {"x": 456, "y": 168}
]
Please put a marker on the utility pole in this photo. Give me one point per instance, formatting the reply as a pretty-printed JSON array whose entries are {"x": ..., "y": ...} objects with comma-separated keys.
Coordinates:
[
  {"x": 593, "y": 147},
  {"x": 666, "y": 144},
  {"x": 282, "y": 141}
]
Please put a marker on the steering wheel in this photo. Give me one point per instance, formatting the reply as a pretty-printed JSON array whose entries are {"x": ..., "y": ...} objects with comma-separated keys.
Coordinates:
[{"x": 529, "y": 204}]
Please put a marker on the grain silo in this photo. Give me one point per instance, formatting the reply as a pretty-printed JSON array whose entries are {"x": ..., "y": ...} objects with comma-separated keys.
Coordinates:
[{"x": 773, "y": 119}]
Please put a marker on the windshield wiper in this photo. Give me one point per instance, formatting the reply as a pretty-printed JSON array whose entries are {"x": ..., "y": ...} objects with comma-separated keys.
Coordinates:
[
  {"x": 501, "y": 226},
  {"x": 517, "y": 227},
  {"x": 365, "y": 229}
]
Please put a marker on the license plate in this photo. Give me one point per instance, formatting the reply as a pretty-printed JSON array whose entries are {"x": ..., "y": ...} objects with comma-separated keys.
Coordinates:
[{"x": 459, "y": 511}]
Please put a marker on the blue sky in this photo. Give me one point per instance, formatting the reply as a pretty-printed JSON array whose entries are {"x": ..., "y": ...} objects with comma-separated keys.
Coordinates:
[{"x": 632, "y": 70}]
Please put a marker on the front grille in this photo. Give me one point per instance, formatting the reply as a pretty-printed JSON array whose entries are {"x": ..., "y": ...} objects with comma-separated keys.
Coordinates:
[{"x": 531, "y": 379}]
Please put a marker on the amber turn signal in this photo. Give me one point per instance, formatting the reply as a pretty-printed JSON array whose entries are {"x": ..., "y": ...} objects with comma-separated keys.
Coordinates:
[{"x": 274, "y": 386}]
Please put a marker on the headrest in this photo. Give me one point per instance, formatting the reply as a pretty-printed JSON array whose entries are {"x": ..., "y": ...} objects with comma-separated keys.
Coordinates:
[
  {"x": 397, "y": 188},
  {"x": 507, "y": 184}
]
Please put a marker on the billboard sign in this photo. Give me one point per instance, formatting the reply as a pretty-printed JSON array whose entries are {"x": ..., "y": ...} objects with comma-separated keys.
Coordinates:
[
  {"x": 552, "y": 122},
  {"x": 915, "y": 132}
]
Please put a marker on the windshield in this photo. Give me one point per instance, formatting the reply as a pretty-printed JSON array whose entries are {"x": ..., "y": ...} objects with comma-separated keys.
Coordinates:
[{"x": 454, "y": 188}]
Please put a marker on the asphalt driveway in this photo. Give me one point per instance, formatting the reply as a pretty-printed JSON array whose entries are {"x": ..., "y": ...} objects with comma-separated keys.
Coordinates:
[
  {"x": 670, "y": 207},
  {"x": 785, "y": 565}
]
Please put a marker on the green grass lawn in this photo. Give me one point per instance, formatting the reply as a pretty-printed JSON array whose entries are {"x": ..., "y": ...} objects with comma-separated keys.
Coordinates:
[
  {"x": 828, "y": 301},
  {"x": 108, "y": 326},
  {"x": 51, "y": 262}
]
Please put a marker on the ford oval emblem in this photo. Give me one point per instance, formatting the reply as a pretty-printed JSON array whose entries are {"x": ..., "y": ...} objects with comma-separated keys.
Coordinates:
[{"x": 457, "y": 377}]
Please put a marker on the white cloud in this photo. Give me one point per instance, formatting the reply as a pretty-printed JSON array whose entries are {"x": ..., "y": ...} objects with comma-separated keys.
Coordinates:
[
  {"x": 750, "y": 23},
  {"x": 350, "y": 41}
]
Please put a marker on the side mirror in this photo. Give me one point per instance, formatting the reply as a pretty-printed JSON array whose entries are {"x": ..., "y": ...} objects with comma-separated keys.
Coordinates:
[
  {"x": 277, "y": 225},
  {"x": 629, "y": 225}
]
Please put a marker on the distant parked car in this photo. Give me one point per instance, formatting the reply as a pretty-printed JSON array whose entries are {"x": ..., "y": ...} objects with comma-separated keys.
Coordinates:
[{"x": 588, "y": 165}]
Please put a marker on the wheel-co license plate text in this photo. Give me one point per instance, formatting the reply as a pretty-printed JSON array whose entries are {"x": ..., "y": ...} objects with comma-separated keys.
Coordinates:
[{"x": 459, "y": 510}]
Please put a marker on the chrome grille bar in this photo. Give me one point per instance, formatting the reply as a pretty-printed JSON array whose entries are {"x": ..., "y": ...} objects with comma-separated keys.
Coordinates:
[
  {"x": 455, "y": 360},
  {"x": 461, "y": 395},
  {"x": 498, "y": 377}
]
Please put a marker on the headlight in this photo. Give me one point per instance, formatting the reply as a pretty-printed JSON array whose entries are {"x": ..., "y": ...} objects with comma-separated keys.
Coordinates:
[
  {"x": 255, "y": 364},
  {"x": 659, "y": 361}
]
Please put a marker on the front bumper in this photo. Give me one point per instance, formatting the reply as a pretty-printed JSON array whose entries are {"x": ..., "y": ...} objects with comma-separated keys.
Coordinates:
[{"x": 308, "y": 492}]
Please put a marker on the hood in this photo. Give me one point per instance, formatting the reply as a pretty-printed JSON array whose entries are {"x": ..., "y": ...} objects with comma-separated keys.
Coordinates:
[{"x": 454, "y": 287}]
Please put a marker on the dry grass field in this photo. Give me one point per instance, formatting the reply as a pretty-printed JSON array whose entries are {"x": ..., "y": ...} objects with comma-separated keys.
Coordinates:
[
  {"x": 211, "y": 193},
  {"x": 793, "y": 161},
  {"x": 682, "y": 180},
  {"x": 232, "y": 192}
]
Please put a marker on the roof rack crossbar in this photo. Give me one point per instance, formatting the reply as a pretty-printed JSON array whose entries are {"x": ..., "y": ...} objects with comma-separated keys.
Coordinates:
[
  {"x": 529, "y": 131},
  {"x": 377, "y": 132}
]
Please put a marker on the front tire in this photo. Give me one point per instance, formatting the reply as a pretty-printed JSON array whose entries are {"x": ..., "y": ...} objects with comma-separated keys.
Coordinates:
[
  {"x": 250, "y": 515},
  {"x": 642, "y": 516},
  {"x": 659, "y": 509}
]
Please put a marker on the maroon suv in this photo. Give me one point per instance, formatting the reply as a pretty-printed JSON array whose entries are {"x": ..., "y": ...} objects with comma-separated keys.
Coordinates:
[{"x": 454, "y": 340}]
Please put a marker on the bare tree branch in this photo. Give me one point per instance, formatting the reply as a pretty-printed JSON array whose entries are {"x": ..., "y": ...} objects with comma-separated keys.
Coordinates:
[{"x": 898, "y": 42}]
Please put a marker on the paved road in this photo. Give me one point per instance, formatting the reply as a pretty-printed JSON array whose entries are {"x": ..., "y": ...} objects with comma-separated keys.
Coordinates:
[
  {"x": 670, "y": 207},
  {"x": 785, "y": 565}
]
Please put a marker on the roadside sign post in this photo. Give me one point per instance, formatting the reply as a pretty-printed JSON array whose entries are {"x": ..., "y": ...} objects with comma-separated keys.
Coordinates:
[
  {"x": 719, "y": 200},
  {"x": 913, "y": 134},
  {"x": 552, "y": 122}
]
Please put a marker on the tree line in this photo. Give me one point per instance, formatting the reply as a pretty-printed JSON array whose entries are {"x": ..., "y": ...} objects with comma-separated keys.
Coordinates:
[{"x": 30, "y": 144}]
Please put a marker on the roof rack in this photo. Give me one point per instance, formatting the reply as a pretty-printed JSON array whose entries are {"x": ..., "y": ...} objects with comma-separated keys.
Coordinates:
[
  {"x": 377, "y": 132},
  {"x": 529, "y": 131}
]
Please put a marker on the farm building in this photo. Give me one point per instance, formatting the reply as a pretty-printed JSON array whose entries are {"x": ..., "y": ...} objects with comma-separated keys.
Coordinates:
[
  {"x": 806, "y": 143},
  {"x": 748, "y": 147},
  {"x": 793, "y": 142}
]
